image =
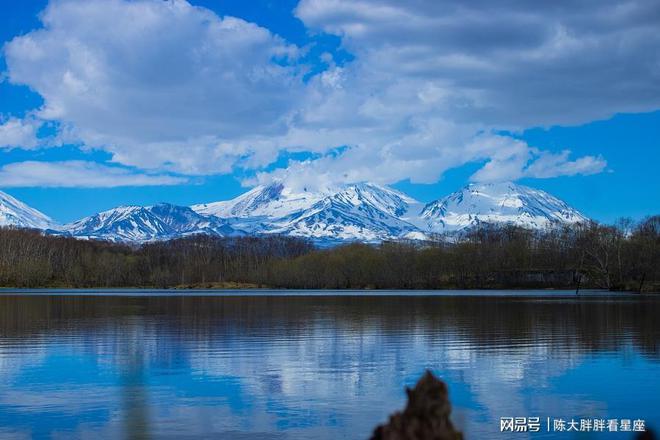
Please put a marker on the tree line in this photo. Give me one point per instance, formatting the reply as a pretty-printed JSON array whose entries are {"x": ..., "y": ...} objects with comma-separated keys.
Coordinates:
[{"x": 624, "y": 256}]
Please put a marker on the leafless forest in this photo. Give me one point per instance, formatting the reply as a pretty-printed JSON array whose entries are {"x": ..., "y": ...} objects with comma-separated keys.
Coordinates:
[{"x": 625, "y": 256}]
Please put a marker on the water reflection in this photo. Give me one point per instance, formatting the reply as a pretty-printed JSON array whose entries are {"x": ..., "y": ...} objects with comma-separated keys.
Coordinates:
[
  {"x": 134, "y": 384},
  {"x": 316, "y": 367}
]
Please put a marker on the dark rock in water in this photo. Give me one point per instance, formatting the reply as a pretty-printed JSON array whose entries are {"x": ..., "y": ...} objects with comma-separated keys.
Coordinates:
[{"x": 426, "y": 417}]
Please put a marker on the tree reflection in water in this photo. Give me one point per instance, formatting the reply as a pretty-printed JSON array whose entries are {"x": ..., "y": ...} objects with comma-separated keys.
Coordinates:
[{"x": 323, "y": 367}]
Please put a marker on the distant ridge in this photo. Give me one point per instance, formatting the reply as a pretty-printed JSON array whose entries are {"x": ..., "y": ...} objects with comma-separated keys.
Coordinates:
[
  {"x": 498, "y": 203},
  {"x": 142, "y": 224},
  {"x": 364, "y": 212},
  {"x": 355, "y": 212}
]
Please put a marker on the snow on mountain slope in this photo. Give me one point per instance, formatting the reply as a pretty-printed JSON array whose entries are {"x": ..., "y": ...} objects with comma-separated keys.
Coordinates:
[
  {"x": 356, "y": 212},
  {"x": 16, "y": 213},
  {"x": 263, "y": 202},
  {"x": 256, "y": 210},
  {"x": 369, "y": 212},
  {"x": 497, "y": 203},
  {"x": 141, "y": 224},
  {"x": 184, "y": 221},
  {"x": 364, "y": 212}
]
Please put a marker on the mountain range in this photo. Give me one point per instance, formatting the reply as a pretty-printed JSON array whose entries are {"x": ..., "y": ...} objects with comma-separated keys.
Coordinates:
[
  {"x": 354, "y": 212},
  {"x": 141, "y": 224}
]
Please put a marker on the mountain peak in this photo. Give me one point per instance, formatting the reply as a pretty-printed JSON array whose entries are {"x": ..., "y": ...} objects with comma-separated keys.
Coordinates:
[
  {"x": 16, "y": 213},
  {"x": 498, "y": 203},
  {"x": 273, "y": 200},
  {"x": 147, "y": 223},
  {"x": 361, "y": 211},
  {"x": 358, "y": 211}
]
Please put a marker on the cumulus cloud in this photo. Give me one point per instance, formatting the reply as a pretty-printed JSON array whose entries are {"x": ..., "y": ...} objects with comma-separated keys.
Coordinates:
[
  {"x": 507, "y": 63},
  {"x": 553, "y": 165},
  {"x": 433, "y": 81},
  {"x": 19, "y": 133},
  {"x": 159, "y": 84},
  {"x": 506, "y": 159},
  {"x": 523, "y": 161},
  {"x": 166, "y": 86},
  {"x": 77, "y": 174}
]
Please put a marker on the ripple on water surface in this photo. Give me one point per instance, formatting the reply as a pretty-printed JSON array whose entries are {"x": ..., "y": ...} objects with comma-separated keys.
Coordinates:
[{"x": 321, "y": 367}]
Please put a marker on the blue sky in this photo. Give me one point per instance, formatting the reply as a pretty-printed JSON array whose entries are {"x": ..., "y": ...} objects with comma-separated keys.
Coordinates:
[{"x": 110, "y": 102}]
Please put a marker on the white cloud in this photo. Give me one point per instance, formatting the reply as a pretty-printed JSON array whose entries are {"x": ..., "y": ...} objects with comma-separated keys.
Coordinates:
[
  {"x": 159, "y": 84},
  {"x": 506, "y": 159},
  {"x": 77, "y": 174},
  {"x": 165, "y": 86},
  {"x": 522, "y": 161},
  {"x": 433, "y": 81},
  {"x": 19, "y": 133},
  {"x": 553, "y": 165},
  {"x": 513, "y": 64}
]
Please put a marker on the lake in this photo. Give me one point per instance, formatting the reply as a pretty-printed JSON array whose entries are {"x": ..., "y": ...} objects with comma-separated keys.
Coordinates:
[{"x": 318, "y": 365}]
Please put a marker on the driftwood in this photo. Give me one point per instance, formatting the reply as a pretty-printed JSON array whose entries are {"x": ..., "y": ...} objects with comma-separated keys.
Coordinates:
[{"x": 426, "y": 417}]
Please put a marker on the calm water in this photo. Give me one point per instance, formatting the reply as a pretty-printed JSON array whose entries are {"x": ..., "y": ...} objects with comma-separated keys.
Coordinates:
[{"x": 317, "y": 367}]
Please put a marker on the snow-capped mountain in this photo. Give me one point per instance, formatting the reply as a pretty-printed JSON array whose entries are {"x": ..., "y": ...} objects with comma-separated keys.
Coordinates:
[
  {"x": 369, "y": 212},
  {"x": 263, "y": 203},
  {"x": 497, "y": 203},
  {"x": 16, "y": 213},
  {"x": 364, "y": 212},
  {"x": 142, "y": 224},
  {"x": 355, "y": 212}
]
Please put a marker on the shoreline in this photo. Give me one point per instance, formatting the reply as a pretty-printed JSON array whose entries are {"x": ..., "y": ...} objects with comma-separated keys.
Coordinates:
[{"x": 267, "y": 292}]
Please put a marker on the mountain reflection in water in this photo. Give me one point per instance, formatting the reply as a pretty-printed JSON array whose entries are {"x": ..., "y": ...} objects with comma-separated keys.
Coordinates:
[{"x": 317, "y": 367}]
